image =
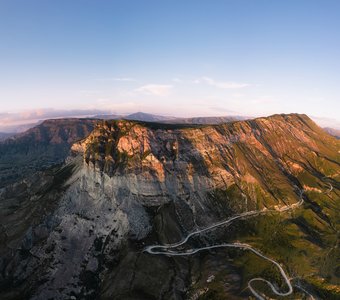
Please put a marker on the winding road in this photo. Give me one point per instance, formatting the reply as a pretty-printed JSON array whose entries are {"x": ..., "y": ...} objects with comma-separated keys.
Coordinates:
[
  {"x": 168, "y": 249},
  {"x": 330, "y": 188}
]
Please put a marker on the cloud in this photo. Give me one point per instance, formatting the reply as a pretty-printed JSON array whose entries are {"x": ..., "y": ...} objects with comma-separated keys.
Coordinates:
[
  {"x": 155, "y": 89},
  {"x": 221, "y": 84}
]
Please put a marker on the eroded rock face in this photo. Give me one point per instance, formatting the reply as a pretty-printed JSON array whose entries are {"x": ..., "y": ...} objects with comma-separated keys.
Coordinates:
[
  {"x": 79, "y": 231},
  {"x": 91, "y": 226}
]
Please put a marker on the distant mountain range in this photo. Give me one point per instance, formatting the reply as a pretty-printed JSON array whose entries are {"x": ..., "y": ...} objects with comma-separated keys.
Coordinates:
[
  {"x": 146, "y": 117},
  {"x": 333, "y": 132},
  {"x": 10, "y": 130},
  {"x": 13, "y": 130},
  {"x": 206, "y": 120},
  {"x": 138, "y": 116}
]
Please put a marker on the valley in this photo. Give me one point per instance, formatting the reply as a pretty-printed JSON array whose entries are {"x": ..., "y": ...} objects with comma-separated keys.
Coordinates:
[{"x": 166, "y": 249}]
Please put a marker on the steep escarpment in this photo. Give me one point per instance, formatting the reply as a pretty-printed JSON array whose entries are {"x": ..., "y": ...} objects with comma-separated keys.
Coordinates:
[
  {"x": 256, "y": 161},
  {"x": 130, "y": 184}
]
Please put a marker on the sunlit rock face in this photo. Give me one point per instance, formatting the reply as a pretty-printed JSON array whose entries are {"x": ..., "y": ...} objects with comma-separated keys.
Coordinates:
[{"x": 77, "y": 231}]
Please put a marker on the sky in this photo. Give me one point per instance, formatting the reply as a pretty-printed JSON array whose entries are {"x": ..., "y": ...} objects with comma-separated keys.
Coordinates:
[{"x": 180, "y": 58}]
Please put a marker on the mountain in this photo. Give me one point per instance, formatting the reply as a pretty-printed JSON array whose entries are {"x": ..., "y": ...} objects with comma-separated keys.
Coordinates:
[
  {"x": 23, "y": 120},
  {"x": 138, "y": 116},
  {"x": 333, "y": 132},
  {"x": 40, "y": 147},
  {"x": 229, "y": 203},
  {"x": 145, "y": 117},
  {"x": 15, "y": 128},
  {"x": 326, "y": 122},
  {"x": 108, "y": 117},
  {"x": 206, "y": 120},
  {"x": 18, "y": 128},
  {"x": 5, "y": 135}
]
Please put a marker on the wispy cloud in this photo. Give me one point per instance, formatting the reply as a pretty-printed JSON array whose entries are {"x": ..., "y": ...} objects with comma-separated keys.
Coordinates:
[
  {"x": 155, "y": 89},
  {"x": 221, "y": 84}
]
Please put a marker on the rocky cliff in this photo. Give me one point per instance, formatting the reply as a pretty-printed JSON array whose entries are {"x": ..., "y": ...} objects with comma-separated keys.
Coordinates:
[{"x": 77, "y": 231}]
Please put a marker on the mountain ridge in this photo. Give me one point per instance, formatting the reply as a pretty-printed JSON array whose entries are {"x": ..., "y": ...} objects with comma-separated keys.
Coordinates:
[{"x": 130, "y": 184}]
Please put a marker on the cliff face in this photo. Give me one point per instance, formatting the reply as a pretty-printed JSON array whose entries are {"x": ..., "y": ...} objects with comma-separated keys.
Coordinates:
[
  {"x": 257, "y": 161},
  {"x": 129, "y": 184}
]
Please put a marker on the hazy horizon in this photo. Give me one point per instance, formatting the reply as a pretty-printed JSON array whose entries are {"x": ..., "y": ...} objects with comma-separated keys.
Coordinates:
[{"x": 21, "y": 121}]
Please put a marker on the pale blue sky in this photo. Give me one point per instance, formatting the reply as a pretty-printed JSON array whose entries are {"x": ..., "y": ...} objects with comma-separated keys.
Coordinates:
[{"x": 184, "y": 58}]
